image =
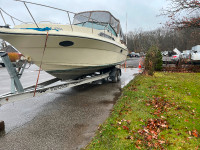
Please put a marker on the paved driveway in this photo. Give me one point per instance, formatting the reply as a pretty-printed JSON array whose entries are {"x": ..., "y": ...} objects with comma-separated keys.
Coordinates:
[{"x": 65, "y": 119}]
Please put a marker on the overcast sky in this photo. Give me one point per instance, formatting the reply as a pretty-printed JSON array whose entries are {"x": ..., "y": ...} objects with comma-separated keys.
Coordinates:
[{"x": 141, "y": 13}]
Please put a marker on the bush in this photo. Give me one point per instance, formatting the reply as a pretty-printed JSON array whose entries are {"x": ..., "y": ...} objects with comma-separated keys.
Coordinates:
[{"x": 153, "y": 61}]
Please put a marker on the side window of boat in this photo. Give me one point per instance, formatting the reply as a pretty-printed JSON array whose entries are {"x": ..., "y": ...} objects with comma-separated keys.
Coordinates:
[
  {"x": 110, "y": 29},
  {"x": 106, "y": 36}
]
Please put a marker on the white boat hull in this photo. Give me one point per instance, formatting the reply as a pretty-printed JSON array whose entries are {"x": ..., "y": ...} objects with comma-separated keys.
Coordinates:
[{"x": 85, "y": 56}]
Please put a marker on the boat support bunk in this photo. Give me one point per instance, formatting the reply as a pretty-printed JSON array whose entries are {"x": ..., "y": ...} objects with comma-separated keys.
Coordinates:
[{"x": 19, "y": 93}]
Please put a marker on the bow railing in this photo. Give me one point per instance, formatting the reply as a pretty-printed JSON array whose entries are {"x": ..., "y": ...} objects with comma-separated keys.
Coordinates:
[{"x": 35, "y": 22}]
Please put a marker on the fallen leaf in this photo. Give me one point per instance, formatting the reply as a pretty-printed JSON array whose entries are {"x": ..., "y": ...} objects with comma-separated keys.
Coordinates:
[
  {"x": 178, "y": 134},
  {"x": 146, "y": 130},
  {"x": 149, "y": 137},
  {"x": 129, "y": 137},
  {"x": 183, "y": 141},
  {"x": 164, "y": 125},
  {"x": 125, "y": 128},
  {"x": 162, "y": 117},
  {"x": 195, "y": 133},
  {"x": 156, "y": 145},
  {"x": 138, "y": 147},
  {"x": 141, "y": 120},
  {"x": 161, "y": 142},
  {"x": 139, "y": 142},
  {"x": 149, "y": 144},
  {"x": 128, "y": 121}
]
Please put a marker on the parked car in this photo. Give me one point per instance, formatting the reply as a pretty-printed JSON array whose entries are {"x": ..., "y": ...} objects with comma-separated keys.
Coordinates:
[
  {"x": 185, "y": 55},
  {"x": 195, "y": 56},
  {"x": 135, "y": 54},
  {"x": 129, "y": 55},
  {"x": 175, "y": 57},
  {"x": 142, "y": 54},
  {"x": 164, "y": 53}
]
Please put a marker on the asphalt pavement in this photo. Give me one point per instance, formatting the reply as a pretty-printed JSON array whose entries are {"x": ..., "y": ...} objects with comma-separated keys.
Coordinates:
[{"x": 64, "y": 119}]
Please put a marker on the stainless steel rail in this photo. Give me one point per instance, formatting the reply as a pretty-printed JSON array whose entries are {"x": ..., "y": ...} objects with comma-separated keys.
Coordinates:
[
  {"x": 10, "y": 16},
  {"x": 34, "y": 20},
  {"x": 68, "y": 12}
]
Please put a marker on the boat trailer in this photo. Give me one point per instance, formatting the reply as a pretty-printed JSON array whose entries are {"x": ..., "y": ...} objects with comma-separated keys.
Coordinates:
[{"x": 18, "y": 93}]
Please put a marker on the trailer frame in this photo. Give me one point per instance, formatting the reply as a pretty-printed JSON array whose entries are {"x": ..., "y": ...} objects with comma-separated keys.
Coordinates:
[{"x": 19, "y": 93}]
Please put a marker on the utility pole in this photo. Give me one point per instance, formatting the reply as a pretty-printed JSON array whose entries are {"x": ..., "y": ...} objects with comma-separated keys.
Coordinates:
[{"x": 126, "y": 31}]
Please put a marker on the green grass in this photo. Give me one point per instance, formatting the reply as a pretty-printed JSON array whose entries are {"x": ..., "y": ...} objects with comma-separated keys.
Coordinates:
[{"x": 176, "y": 98}]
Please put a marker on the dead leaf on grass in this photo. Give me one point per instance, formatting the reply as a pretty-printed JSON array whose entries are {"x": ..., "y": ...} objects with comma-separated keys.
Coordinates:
[
  {"x": 128, "y": 121},
  {"x": 139, "y": 142},
  {"x": 149, "y": 137},
  {"x": 125, "y": 128},
  {"x": 129, "y": 137},
  {"x": 137, "y": 147},
  {"x": 189, "y": 132},
  {"x": 195, "y": 133},
  {"x": 161, "y": 142},
  {"x": 149, "y": 144}
]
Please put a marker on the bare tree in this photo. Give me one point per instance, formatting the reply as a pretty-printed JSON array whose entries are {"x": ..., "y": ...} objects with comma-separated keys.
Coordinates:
[
  {"x": 165, "y": 39},
  {"x": 183, "y": 13}
]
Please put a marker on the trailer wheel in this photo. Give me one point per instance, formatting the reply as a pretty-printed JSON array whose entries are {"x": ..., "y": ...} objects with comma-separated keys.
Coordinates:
[
  {"x": 105, "y": 80},
  {"x": 3, "y": 65},
  {"x": 115, "y": 77},
  {"x": 118, "y": 75}
]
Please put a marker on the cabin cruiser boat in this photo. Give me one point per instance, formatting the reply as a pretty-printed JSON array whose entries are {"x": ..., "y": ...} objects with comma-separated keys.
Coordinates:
[{"x": 93, "y": 42}]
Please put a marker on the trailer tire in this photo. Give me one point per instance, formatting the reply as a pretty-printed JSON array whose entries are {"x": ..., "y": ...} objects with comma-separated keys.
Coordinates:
[
  {"x": 118, "y": 75},
  {"x": 115, "y": 76},
  {"x": 3, "y": 65}
]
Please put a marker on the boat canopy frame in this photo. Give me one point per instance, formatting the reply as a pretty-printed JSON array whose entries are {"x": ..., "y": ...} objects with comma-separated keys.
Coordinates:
[
  {"x": 100, "y": 17},
  {"x": 111, "y": 20}
]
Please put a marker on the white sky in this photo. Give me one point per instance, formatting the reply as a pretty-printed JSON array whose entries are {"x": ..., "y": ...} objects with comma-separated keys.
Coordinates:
[{"x": 141, "y": 13}]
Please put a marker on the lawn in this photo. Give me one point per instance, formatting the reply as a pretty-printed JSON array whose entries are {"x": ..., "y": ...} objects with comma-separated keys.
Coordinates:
[{"x": 154, "y": 112}]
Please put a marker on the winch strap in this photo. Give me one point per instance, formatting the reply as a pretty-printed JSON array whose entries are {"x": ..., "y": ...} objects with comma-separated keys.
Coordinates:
[{"x": 41, "y": 63}]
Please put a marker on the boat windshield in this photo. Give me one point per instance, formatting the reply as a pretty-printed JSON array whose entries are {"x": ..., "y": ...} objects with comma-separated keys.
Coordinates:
[{"x": 99, "y": 20}]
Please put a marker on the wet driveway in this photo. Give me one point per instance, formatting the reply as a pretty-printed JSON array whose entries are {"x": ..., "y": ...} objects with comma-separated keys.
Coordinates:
[{"x": 65, "y": 119}]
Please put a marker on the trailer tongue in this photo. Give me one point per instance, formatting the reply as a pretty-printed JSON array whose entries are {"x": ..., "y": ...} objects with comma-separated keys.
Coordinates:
[{"x": 46, "y": 87}]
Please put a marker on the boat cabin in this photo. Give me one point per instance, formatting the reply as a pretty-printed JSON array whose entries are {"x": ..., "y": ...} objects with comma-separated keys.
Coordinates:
[{"x": 100, "y": 20}]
